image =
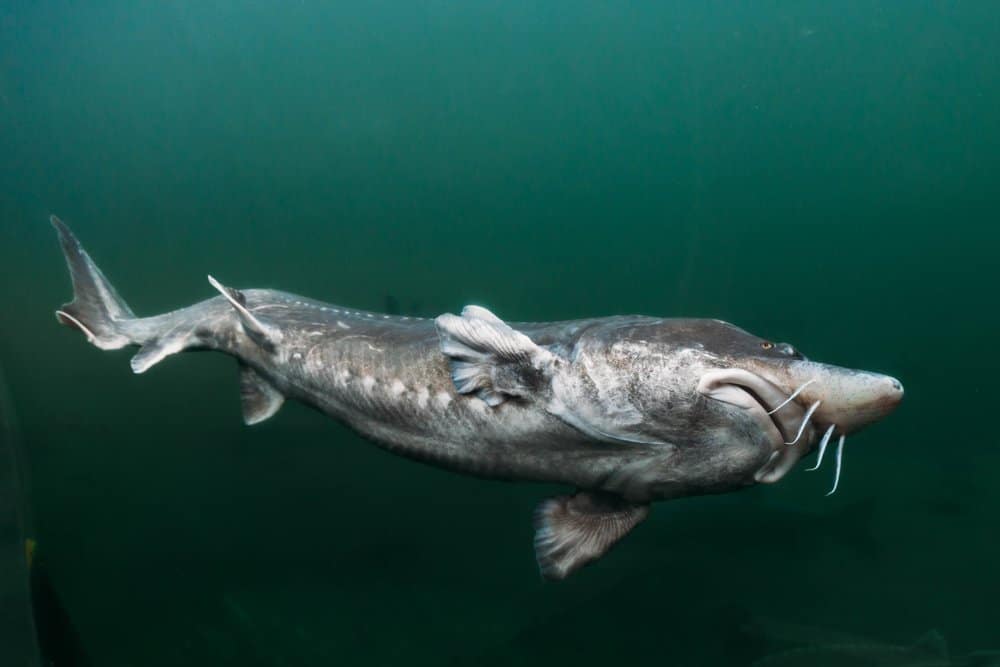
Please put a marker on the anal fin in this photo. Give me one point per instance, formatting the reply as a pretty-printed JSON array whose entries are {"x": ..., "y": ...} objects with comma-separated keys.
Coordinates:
[
  {"x": 258, "y": 397},
  {"x": 571, "y": 531}
]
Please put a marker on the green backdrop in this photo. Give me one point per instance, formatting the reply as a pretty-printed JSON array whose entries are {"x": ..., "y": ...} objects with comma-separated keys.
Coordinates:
[{"x": 821, "y": 173}]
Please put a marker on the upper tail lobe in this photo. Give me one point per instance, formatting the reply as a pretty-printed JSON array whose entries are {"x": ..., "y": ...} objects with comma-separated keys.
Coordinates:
[
  {"x": 96, "y": 309},
  {"x": 103, "y": 316},
  {"x": 222, "y": 323}
]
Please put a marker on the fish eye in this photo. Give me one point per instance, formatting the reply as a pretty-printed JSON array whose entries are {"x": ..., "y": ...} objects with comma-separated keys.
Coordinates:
[{"x": 767, "y": 345}]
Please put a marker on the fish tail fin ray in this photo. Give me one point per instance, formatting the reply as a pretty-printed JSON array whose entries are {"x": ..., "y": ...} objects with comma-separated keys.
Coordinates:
[
  {"x": 100, "y": 313},
  {"x": 96, "y": 309}
]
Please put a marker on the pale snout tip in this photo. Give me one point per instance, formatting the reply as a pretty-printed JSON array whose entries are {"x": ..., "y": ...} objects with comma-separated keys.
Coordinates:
[
  {"x": 896, "y": 387},
  {"x": 891, "y": 392}
]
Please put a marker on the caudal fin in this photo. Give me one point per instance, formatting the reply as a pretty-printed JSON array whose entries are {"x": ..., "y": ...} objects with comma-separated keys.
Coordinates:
[
  {"x": 108, "y": 323},
  {"x": 96, "y": 308}
]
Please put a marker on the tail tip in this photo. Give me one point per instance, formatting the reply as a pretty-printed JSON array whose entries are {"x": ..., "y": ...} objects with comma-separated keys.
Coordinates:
[{"x": 67, "y": 238}]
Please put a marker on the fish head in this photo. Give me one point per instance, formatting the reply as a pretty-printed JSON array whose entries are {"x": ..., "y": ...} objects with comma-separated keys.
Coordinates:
[
  {"x": 798, "y": 402},
  {"x": 747, "y": 404}
]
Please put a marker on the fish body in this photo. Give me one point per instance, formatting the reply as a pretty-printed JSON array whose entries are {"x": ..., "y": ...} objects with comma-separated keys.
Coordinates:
[
  {"x": 856, "y": 655},
  {"x": 832, "y": 649},
  {"x": 627, "y": 409}
]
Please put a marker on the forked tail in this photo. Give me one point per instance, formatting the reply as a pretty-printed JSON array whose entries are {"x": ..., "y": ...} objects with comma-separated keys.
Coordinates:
[
  {"x": 221, "y": 323},
  {"x": 96, "y": 308},
  {"x": 108, "y": 323}
]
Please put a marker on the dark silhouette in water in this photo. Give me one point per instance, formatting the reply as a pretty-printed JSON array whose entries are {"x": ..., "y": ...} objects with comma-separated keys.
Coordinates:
[
  {"x": 60, "y": 642},
  {"x": 35, "y": 628}
]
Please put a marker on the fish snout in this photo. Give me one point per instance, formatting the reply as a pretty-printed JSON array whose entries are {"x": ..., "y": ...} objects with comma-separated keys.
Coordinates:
[
  {"x": 853, "y": 399},
  {"x": 821, "y": 398}
]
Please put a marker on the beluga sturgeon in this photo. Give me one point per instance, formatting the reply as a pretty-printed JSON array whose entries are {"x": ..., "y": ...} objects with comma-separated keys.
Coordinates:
[{"x": 626, "y": 410}]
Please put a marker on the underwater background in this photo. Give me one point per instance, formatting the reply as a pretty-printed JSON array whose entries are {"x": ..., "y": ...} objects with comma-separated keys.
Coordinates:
[{"x": 822, "y": 173}]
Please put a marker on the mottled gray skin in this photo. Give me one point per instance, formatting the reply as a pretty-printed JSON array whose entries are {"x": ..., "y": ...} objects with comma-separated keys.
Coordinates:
[
  {"x": 627, "y": 409},
  {"x": 385, "y": 377},
  {"x": 635, "y": 377}
]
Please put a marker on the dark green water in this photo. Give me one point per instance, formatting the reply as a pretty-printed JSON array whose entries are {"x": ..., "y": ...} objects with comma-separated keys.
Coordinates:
[{"x": 821, "y": 173}]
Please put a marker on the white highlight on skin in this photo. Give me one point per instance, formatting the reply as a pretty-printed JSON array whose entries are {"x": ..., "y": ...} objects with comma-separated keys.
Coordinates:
[
  {"x": 442, "y": 398},
  {"x": 839, "y": 459},
  {"x": 90, "y": 334},
  {"x": 397, "y": 387},
  {"x": 236, "y": 304},
  {"x": 342, "y": 325},
  {"x": 368, "y": 382},
  {"x": 805, "y": 420},
  {"x": 422, "y": 396},
  {"x": 792, "y": 397},
  {"x": 822, "y": 447}
]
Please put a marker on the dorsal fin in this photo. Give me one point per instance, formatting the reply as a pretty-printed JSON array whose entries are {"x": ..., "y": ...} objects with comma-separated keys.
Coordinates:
[
  {"x": 489, "y": 358},
  {"x": 264, "y": 334},
  {"x": 481, "y": 313},
  {"x": 259, "y": 398}
]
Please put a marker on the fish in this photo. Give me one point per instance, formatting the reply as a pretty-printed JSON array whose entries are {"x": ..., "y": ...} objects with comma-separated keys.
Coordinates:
[
  {"x": 930, "y": 650},
  {"x": 627, "y": 410},
  {"x": 812, "y": 646}
]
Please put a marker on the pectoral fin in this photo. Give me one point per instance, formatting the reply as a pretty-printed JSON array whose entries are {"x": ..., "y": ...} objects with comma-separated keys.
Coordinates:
[
  {"x": 490, "y": 359},
  {"x": 571, "y": 531},
  {"x": 258, "y": 397}
]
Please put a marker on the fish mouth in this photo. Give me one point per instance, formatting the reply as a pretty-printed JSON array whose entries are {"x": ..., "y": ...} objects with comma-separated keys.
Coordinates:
[{"x": 780, "y": 418}]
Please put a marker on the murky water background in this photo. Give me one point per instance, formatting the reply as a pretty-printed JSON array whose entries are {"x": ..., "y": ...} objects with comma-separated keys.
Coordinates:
[{"x": 821, "y": 173}]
